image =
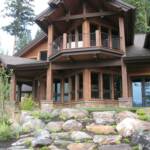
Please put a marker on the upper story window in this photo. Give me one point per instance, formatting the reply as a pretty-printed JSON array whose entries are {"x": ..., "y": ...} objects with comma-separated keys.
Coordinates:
[{"x": 43, "y": 55}]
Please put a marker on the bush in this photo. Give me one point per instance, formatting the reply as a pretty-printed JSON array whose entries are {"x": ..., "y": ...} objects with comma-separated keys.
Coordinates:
[
  {"x": 28, "y": 104},
  {"x": 141, "y": 112},
  {"x": 6, "y": 132}
]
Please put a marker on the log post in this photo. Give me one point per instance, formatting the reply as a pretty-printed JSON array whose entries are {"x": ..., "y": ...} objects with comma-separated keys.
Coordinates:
[
  {"x": 87, "y": 85},
  {"x": 50, "y": 39},
  {"x": 86, "y": 33},
  {"x": 49, "y": 83},
  {"x": 13, "y": 87},
  {"x": 65, "y": 41}
]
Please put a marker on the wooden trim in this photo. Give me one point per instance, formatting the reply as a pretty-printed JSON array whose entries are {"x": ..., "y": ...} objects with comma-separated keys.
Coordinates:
[{"x": 69, "y": 17}]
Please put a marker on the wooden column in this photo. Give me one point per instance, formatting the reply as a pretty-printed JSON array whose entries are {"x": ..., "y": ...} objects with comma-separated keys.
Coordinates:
[
  {"x": 97, "y": 38},
  {"x": 110, "y": 38},
  {"x": 101, "y": 85},
  {"x": 13, "y": 88},
  {"x": 76, "y": 87},
  {"x": 65, "y": 41},
  {"x": 62, "y": 90},
  {"x": 50, "y": 39},
  {"x": 34, "y": 89},
  {"x": 122, "y": 34},
  {"x": 112, "y": 86},
  {"x": 49, "y": 83},
  {"x": 124, "y": 80},
  {"x": 19, "y": 92},
  {"x": 86, "y": 33},
  {"x": 87, "y": 85}
]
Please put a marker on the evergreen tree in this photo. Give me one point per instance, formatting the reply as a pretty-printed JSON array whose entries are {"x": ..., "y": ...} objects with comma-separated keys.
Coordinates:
[
  {"x": 142, "y": 15},
  {"x": 21, "y": 14},
  {"x": 24, "y": 40}
]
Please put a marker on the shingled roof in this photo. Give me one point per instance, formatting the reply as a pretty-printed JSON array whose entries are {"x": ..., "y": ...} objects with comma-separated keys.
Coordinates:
[{"x": 13, "y": 62}]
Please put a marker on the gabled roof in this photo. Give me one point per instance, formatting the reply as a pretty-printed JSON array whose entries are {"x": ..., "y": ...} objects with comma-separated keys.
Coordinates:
[{"x": 33, "y": 43}]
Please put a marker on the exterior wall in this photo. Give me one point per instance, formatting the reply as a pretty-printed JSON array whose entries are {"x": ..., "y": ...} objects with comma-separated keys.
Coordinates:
[{"x": 35, "y": 51}]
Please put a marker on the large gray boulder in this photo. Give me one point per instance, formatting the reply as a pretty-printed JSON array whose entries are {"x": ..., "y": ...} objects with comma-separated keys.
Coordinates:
[
  {"x": 142, "y": 139},
  {"x": 115, "y": 147},
  {"x": 25, "y": 117},
  {"x": 80, "y": 136},
  {"x": 125, "y": 114},
  {"x": 107, "y": 139},
  {"x": 54, "y": 126},
  {"x": 61, "y": 135},
  {"x": 42, "y": 138},
  {"x": 104, "y": 118},
  {"x": 129, "y": 126},
  {"x": 82, "y": 146},
  {"x": 70, "y": 113},
  {"x": 72, "y": 125},
  {"x": 32, "y": 125},
  {"x": 62, "y": 143}
]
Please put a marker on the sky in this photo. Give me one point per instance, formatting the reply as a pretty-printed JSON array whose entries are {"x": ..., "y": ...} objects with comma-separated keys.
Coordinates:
[{"x": 6, "y": 41}]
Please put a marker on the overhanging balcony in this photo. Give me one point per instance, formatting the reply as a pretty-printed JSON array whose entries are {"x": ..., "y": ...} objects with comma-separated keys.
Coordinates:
[{"x": 93, "y": 43}]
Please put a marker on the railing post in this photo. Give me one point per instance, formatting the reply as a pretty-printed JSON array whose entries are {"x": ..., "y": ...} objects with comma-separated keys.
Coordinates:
[
  {"x": 110, "y": 38},
  {"x": 65, "y": 41},
  {"x": 97, "y": 38}
]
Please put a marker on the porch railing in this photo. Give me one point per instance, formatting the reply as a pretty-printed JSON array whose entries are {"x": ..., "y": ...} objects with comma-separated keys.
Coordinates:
[{"x": 72, "y": 41}]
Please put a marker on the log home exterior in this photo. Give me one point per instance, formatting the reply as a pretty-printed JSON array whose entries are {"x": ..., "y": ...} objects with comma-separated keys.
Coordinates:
[{"x": 86, "y": 55}]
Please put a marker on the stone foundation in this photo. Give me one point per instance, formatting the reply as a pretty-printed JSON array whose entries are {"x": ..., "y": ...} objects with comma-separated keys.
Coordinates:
[{"x": 125, "y": 102}]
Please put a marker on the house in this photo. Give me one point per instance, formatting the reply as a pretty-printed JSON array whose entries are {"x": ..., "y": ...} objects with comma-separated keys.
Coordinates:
[{"x": 86, "y": 55}]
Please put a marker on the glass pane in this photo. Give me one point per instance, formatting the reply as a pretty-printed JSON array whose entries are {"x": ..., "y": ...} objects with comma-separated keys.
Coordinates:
[
  {"x": 117, "y": 87},
  {"x": 146, "y": 92},
  {"x": 106, "y": 86},
  {"x": 66, "y": 90},
  {"x": 94, "y": 85},
  {"x": 73, "y": 88},
  {"x": 137, "y": 93},
  {"x": 80, "y": 86},
  {"x": 57, "y": 91}
]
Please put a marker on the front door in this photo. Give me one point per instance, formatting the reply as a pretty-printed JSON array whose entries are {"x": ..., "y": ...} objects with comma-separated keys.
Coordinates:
[{"x": 141, "y": 92}]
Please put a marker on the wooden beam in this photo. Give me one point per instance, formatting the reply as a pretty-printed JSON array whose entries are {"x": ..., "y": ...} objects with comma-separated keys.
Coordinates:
[{"x": 85, "y": 15}]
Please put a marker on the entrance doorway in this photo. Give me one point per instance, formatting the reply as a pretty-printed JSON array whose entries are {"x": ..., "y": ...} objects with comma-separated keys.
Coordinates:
[{"x": 141, "y": 92}]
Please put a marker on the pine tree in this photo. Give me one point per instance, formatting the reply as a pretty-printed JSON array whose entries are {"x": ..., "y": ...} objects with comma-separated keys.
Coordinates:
[{"x": 21, "y": 14}]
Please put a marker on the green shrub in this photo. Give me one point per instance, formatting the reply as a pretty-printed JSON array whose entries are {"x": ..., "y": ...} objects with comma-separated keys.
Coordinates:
[
  {"x": 6, "y": 132},
  {"x": 140, "y": 112},
  {"x": 44, "y": 148},
  {"x": 45, "y": 116},
  {"x": 144, "y": 117},
  {"x": 28, "y": 104}
]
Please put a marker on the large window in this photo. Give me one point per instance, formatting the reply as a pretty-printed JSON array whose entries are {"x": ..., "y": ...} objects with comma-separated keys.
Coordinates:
[
  {"x": 66, "y": 90},
  {"x": 107, "y": 86},
  {"x": 117, "y": 87},
  {"x": 72, "y": 88},
  {"x": 80, "y": 91},
  {"x": 95, "y": 91},
  {"x": 57, "y": 91}
]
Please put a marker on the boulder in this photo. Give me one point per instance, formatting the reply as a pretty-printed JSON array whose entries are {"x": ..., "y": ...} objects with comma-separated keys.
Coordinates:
[
  {"x": 72, "y": 125},
  {"x": 143, "y": 139},
  {"x": 70, "y": 113},
  {"x": 80, "y": 136},
  {"x": 25, "y": 117},
  {"x": 55, "y": 113},
  {"x": 129, "y": 126},
  {"x": 125, "y": 114},
  {"x": 60, "y": 135},
  {"x": 81, "y": 146},
  {"x": 23, "y": 142},
  {"x": 42, "y": 139},
  {"x": 54, "y": 126},
  {"x": 62, "y": 143},
  {"x": 116, "y": 147},
  {"x": 106, "y": 140},
  {"x": 104, "y": 118},
  {"x": 53, "y": 147},
  {"x": 32, "y": 125},
  {"x": 17, "y": 148},
  {"x": 100, "y": 129}
]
